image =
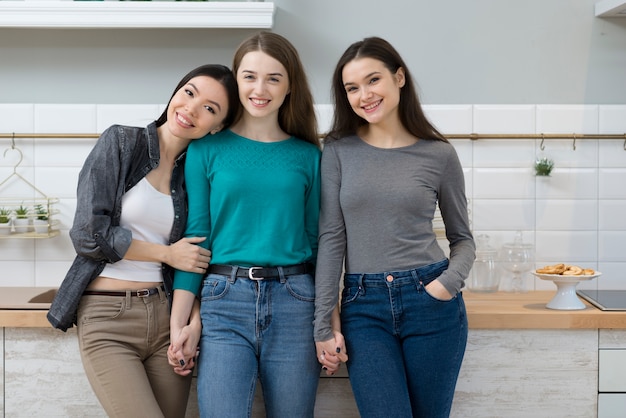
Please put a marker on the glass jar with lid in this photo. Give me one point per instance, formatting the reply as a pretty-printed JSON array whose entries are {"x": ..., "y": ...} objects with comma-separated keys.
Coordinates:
[{"x": 484, "y": 276}]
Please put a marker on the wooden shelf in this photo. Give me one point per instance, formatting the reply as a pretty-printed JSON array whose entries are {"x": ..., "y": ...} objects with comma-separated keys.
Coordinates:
[{"x": 135, "y": 14}]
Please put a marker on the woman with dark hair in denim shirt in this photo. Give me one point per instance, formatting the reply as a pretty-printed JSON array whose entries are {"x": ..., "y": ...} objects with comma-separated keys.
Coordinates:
[{"x": 127, "y": 232}]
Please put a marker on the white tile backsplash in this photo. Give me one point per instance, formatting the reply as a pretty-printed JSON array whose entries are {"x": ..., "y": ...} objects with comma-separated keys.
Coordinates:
[
  {"x": 611, "y": 246},
  {"x": 568, "y": 183},
  {"x": 65, "y": 118},
  {"x": 503, "y": 183},
  {"x": 507, "y": 119},
  {"x": 566, "y": 215},
  {"x": 503, "y": 214},
  {"x": 612, "y": 215},
  {"x": 17, "y": 118},
  {"x": 506, "y": 153},
  {"x": 567, "y": 246},
  {"x": 133, "y": 115},
  {"x": 612, "y": 153},
  {"x": 560, "y": 119},
  {"x": 576, "y": 215},
  {"x": 612, "y": 119},
  {"x": 450, "y": 119},
  {"x": 612, "y": 183}
]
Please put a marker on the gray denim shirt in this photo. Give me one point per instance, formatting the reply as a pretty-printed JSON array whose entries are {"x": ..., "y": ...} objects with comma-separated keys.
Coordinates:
[{"x": 122, "y": 156}]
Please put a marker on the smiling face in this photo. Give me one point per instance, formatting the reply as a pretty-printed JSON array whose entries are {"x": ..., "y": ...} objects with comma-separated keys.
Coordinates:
[
  {"x": 263, "y": 84},
  {"x": 197, "y": 108},
  {"x": 372, "y": 90}
]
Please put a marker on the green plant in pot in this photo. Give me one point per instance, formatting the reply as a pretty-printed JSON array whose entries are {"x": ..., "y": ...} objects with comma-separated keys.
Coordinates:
[
  {"x": 41, "y": 220},
  {"x": 543, "y": 166},
  {"x": 5, "y": 218},
  {"x": 21, "y": 219}
]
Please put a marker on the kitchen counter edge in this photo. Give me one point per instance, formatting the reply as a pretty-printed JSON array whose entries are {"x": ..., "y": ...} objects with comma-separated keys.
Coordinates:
[{"x": 497, "y": 310}]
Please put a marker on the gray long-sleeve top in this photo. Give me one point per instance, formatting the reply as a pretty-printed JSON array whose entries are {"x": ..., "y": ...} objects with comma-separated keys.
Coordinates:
[{"x": 377, "y": 209}]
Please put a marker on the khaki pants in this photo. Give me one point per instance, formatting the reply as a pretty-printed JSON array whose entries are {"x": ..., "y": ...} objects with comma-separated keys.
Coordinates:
[{"x": 123, "y": 343}]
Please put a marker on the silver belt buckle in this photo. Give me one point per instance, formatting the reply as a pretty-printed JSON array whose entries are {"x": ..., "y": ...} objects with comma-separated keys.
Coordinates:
[
  {"x": 251, "y": 273},
  {"x": 143, "y": 293}
]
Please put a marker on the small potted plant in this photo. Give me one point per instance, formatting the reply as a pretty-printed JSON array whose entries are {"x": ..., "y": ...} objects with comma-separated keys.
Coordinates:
[
  {"x": 21, "y": 222},
  {"x": 5, "y": 221},
  {"x": 543, "y": 166},
  {"x": 41, "y": 221}
]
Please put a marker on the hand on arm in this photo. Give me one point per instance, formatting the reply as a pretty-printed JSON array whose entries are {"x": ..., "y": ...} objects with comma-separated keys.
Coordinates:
[
  {"x": 185, "y": 254},
  {"x": 185, "y": 329}
]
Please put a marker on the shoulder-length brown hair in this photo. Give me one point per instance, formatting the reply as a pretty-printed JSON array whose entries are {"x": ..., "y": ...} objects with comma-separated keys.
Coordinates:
[
  {"x": 296, "y": 116},
  {"x": 346, "y": 122}
]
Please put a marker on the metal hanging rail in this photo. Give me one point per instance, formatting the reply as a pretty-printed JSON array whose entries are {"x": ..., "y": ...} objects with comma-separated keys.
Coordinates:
[
  {"x": 572, "y": 136},
  {"x": 48, "y": 136},
  {"x": 473, "y": 136}
]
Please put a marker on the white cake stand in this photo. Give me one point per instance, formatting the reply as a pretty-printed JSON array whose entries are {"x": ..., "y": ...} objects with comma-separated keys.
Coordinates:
[{"x": 566, "y": 298}]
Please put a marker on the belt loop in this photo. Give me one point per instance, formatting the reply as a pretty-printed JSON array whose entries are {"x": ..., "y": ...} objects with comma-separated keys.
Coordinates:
[
  {"x": 129, "y": 299},
  {"x": 161, "y": 291},
  {"x": 233, "y": 274},
  {"x": 362, "y": 283},
  {"x": 416, "y": 279},
  {"x": 281, "y": 275}
]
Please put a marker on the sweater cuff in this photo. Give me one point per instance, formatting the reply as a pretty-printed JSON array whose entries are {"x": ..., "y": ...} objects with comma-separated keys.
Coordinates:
[{"x": 187, "y": 281}]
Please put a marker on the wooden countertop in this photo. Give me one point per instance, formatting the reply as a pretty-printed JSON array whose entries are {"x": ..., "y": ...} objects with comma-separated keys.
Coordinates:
[
  {"x": 18, "y": 318},
  {"x": 485, "y": 310},
  {"x": 503, "y": 310}
]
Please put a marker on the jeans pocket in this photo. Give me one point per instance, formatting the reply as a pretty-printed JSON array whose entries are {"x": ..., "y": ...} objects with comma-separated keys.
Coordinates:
[
  {"x": 214, "y": 287},
  {"x": 350, "y": 294},
  {"x": 437, "y": 299},
  {"x": 95, "y": 309},
  {"x": 301, "y": 287}
]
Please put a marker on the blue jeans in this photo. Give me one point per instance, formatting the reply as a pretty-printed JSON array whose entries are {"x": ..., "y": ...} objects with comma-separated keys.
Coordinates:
[
  {"x": 405, "y": 347},
  {"x": 257, "y": 330}
]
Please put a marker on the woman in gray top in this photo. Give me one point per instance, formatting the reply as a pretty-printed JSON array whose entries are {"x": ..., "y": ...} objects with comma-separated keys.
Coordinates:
[{"x": 385, "y": 168}]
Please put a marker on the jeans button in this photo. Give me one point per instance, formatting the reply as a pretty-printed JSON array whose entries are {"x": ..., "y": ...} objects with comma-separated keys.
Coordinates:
[{"x": 390, "y": 278}]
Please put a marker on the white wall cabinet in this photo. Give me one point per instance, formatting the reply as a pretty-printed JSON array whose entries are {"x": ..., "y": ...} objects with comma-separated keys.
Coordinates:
[{"x": 130, "y": 14}]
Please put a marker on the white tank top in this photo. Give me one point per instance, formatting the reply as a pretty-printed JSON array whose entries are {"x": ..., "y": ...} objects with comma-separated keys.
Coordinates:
[{"x": 149, "y": 215}]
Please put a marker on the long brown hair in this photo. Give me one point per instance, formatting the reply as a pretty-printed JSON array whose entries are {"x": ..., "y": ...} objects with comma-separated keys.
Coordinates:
[
  {"x": 296, "y": 116},
  {"x": 412, "y": 117}
]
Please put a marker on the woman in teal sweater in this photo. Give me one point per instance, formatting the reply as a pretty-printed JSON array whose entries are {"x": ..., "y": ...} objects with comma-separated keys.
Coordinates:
[{"x": 254, "y": 191}]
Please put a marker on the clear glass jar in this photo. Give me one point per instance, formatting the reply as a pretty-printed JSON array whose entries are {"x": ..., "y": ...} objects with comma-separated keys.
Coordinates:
[
  {"x": 484, "y": 276},
  {"x": 518, "y": 258}
]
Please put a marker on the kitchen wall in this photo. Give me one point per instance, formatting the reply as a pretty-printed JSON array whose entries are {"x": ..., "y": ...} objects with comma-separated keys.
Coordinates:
[
  {"x": 576, "y": 215},
  {"x": 461, "y": 52}
]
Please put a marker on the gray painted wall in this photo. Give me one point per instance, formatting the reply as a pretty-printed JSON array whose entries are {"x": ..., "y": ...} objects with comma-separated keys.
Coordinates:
[{"x": 460, "y": 51}]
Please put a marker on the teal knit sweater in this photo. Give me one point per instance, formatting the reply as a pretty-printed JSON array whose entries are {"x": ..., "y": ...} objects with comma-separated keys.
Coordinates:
[{"x": 256, "y": 202}]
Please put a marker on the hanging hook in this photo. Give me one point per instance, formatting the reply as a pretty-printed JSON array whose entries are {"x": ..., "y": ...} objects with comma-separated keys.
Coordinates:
[
  {"x": 574, "y": 143},
  {"x": 14, "y": 148},
  {"x": 624, "y": 142},
  {"x": 543, "y": 147}
]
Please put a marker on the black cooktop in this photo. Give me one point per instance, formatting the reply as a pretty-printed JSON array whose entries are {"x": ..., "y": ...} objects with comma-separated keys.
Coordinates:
[{"x": 606, "y": 300}]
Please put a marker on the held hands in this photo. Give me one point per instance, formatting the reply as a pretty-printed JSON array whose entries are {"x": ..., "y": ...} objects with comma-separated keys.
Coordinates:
[
  {"x": 183, "y": 350},
  {"x": 186, "y": 255},
  {"x": 331, "y": 353}
]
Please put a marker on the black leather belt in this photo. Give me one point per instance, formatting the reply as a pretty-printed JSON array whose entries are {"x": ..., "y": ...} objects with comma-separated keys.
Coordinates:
[
  {"x": 260, "y": 273},
  {"x": 142, "y": 293}
]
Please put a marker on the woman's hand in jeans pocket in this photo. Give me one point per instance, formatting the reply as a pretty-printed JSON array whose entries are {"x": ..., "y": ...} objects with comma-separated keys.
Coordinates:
[{"x": 437, "y": 290}]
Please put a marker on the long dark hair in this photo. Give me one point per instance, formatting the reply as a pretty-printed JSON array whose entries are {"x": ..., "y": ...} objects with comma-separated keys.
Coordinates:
[
  {"x": 346, "y": 122},
  {"x": 296, "y": 116},
  {"x": 224, "y": 76}
]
